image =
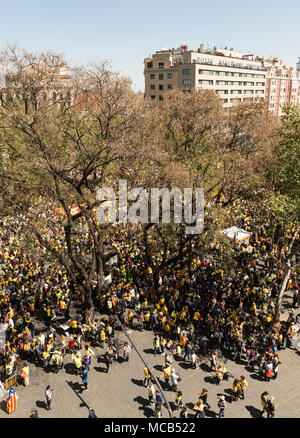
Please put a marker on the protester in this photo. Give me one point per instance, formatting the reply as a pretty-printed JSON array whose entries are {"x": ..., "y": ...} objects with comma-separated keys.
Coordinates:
[{"x": 48, "y": 394}]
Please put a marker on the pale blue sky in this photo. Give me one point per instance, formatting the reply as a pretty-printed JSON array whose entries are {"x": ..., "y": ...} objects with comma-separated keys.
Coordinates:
[{"x": 126, "y": 31}]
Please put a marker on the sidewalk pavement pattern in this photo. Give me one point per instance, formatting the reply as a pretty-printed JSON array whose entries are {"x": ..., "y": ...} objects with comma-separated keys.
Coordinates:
[{"x": 121, "y": 394}]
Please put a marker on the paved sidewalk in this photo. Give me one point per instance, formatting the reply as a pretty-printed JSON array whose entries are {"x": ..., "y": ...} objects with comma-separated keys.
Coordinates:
[{"x": 120, "y": 393}]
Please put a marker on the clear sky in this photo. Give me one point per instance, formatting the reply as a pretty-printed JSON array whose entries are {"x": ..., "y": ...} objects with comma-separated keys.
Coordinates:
[{"x": 127, "y": 31}]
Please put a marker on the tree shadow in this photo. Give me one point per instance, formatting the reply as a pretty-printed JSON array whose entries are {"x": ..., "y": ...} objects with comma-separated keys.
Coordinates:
[
  {"x": 137, "y": 382},
  {"x": 41, "y": 404},
  {"x": 254, "y": 412}
]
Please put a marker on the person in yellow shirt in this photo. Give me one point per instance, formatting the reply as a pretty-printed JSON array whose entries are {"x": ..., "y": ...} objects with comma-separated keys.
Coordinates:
[
  {"x": 102, "y": 338},
  {"x": 147, "y": 377},
  {"x": 236, "y": 389},
  {"x": 219, "y": 373},
  {"x": 244, "y": 384},
  {"x": 167, "y": 373}
]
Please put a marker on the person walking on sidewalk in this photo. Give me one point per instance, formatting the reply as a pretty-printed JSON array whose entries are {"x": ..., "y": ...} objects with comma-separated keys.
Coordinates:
[
  {"x": 147, "y": 376},
  {"x": 126, "y": 351},
  {"x": 244, "y": 384},
  {"x": 222, "y": 406},
  {"x": 48, "y": 394},
  {"x": 264, "y": 401},
  {"x": 203, "y": 395},
  {"x": 84, "y": 377},
  {"x": 151, "y": 393},
  {"x": 271, "y": 408}
]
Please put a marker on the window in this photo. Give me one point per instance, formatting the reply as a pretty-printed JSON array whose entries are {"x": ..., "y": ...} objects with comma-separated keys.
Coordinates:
[
  {"x": 161, "y": 64},
  {"x": 169, "y": 75},
  {"x": 186, "y": 71},
  {"x": 152, "y": 76},
  {"x": 160, "y": 87},
  {"x": 152, "y": 97},
  {"x": 152, "y": 87},
  {"x": 170, "y": 86},
  {"x": 160, "y": 98},
  {"x": 186, "y": 82},
  {"x": 149, "y": 64},
  {"x": 160, "y": 76},
  {"x": 203, "y": 82}
]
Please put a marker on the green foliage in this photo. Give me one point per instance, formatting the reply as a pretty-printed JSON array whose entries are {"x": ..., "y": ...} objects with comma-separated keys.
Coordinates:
[{"x": 288, "y": 173}]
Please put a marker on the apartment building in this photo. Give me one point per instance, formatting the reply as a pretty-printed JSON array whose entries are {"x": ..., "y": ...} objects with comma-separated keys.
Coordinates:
[
  {"x": 38, "y": 85},
  {"x": 235, "y": 77},
  {"x": 282, "y": 85}
]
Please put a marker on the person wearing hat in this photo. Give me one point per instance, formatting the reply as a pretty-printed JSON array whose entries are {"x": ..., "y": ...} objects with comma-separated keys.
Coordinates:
[{"x": 221, "y": 405}]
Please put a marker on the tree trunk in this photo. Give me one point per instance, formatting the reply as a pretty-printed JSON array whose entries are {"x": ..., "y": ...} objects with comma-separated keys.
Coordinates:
[
  {"x": 88, "y": 305},
  {"x": 286, "y": 276},
  {"x": 287, "y": 272}
]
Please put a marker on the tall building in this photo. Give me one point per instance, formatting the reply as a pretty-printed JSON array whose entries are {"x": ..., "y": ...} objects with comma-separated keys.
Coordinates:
[
  {"x": 233, "y": 76},
  {"x": 282, "y": 85}
]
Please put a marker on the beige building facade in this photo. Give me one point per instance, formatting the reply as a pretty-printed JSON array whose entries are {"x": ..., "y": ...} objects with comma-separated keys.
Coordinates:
[{"x": 233, "y": 76}]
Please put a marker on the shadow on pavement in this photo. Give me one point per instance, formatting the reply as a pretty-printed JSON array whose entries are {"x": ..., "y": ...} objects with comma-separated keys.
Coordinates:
[
  {"x": 230, "y": 393},
  {"x": 41, "y": 404},
  {"x": 158, "y": 367},
  {"x": 78, "y": 389},
  {"x": 210, "y": 414},
  {"x": 204, "y": 367},
  {"x": 148, "y": 350},
  {"x": 137, "y": 382},
  {"x": 100, "y": 369},
  {"x": 254, "y": 412},
  {"x": 3, "y": 406},
  {"x": 185, "y": 365},
  {"x": 210, "y": 379},
  {"x": 257, "y": 377},
  {"x": 70, "y": 368},
  {"x": 148, "y": 412}
]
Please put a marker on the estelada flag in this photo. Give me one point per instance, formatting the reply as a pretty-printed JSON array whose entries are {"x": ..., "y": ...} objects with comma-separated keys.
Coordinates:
[
  {"x": 11, "y": 402},
  {"x": 183, "y": 336}
]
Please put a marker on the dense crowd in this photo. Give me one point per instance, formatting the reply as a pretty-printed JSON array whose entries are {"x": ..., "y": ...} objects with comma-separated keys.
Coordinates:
[{"x": 194, "y": 312}]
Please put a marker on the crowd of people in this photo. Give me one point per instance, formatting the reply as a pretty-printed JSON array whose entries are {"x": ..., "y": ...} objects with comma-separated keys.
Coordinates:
[{"x": 194, "y": 312}]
